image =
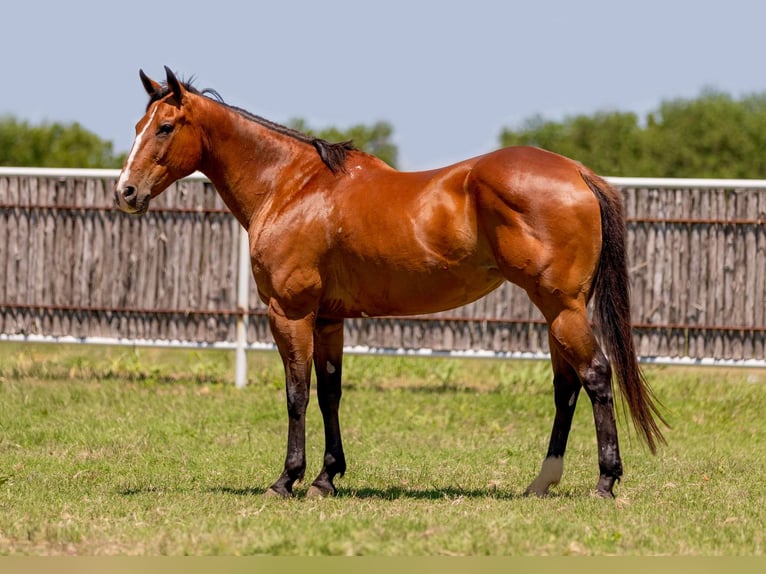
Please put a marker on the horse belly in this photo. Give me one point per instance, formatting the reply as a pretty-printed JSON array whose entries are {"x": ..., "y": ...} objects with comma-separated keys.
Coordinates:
[{"x": 386, "y": 291}]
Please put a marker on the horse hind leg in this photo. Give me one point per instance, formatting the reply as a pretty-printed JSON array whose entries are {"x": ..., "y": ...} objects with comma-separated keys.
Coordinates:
[
  {"x": 572, "y": 331},
  {"x": 573, "y": 338},
  {"x": 566, "y": 388}
]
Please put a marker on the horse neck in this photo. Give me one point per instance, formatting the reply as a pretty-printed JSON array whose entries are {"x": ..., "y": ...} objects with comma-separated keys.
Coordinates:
[{"x": 247, "y": 162}]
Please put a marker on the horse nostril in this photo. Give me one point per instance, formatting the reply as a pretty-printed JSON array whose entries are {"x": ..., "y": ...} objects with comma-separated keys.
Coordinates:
[{"x": 129, "y": 193}]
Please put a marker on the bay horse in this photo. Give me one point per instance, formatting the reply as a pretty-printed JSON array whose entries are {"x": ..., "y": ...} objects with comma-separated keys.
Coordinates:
[{"x": 335, "y": 233}]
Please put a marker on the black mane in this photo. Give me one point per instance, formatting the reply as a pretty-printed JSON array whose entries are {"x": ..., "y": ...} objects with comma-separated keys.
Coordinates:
[{"x": 332, "y": 154}]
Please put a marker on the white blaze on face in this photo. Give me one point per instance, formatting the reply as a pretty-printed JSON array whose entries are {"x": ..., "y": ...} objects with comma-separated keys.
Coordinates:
[{"x": 125, "y": 175}]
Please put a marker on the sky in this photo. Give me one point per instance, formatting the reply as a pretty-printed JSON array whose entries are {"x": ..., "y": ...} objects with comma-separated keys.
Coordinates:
[{"x": 448, "y": 76}]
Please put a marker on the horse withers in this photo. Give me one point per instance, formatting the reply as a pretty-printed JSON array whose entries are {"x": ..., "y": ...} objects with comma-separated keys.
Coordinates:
[{"x": 335, "y": 233}]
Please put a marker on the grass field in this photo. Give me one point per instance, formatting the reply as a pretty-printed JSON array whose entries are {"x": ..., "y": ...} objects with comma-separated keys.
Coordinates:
[{"x": 115, "y": 451}]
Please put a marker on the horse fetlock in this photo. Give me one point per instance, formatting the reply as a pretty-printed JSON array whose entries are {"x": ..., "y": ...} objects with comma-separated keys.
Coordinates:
[
  {"x": 610, "y": 463},
  {"x": 605, "y": 486},
  {"x": 334, "y": 464},
  {"x": 295, "y": 467},
  {"x": 293, "y": 472}
]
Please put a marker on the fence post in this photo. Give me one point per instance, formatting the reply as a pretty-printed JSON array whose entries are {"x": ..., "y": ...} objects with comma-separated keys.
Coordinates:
[{"x": 243, "y": 304}]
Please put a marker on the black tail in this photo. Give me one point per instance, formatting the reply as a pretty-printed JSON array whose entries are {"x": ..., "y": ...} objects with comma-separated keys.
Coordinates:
[{"x": 611, "y": 290}]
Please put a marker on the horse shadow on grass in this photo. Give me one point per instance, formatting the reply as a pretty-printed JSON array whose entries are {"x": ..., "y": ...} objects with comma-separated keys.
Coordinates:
[
  {"x": 440, "y": 493},
  {"x": 401, "y": 493},
  {"x": 364, "y": 493}
]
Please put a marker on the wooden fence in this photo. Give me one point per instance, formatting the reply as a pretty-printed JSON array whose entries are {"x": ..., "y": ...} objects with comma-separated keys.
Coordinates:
[{"x": 72, "y": 265}]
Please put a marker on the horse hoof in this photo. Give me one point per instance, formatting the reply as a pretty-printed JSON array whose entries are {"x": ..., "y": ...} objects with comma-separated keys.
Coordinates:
[
  {"x": 537, "y": 494},
  {"x": 271, "y": 493},
  {"x": 601, "y": 493},
  {"x": 604, "y": 494},
  {"x": 315, "y": 491}
]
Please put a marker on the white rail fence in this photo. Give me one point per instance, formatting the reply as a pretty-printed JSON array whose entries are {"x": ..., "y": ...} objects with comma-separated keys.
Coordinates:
[{"x": 729, "y": 218}]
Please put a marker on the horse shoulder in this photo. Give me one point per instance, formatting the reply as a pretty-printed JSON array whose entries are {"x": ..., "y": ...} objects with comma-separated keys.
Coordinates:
[{"x": 286, "y": 246}]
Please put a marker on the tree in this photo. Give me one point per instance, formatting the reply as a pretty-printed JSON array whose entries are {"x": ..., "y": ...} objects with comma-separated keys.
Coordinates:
[
  {"x": 374, "y": 139},
  {"x": 53, "y": 145},
  {"x": 713, "y": 135},
  {"x": 609, "y": 143}
]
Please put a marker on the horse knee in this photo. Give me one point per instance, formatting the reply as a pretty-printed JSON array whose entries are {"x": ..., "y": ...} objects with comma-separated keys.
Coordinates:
[{"x": 297, "y": 403}]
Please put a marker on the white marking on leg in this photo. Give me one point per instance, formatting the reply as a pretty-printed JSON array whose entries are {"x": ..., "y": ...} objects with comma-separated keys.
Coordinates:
[
  {"x": 550, "y": 475},
  {"x": 133, "y": 151},
  {"x": 330, "y": 368},
  {"x": 573, "y": 399}
]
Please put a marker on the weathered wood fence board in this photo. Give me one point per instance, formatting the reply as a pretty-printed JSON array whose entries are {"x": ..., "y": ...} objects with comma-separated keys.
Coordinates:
[{"x": 71, "y": 264}]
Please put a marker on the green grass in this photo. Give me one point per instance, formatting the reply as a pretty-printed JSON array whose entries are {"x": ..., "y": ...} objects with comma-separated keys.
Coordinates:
[{"x": 108, "y": 451}]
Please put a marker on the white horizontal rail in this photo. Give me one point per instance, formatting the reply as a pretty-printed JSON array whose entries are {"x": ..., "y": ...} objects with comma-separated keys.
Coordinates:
[
  {"x": 686, "y": 183},
  {"x": 649, "y": 182},
  {"x": 66, "y": 172}
]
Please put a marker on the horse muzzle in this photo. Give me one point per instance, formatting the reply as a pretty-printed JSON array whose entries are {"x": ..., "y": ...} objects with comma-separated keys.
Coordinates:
[{"x": 128, "y": 199}]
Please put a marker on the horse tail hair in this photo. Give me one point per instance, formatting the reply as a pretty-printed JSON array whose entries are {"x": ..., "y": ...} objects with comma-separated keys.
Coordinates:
[{"x": 611, "y": 291}]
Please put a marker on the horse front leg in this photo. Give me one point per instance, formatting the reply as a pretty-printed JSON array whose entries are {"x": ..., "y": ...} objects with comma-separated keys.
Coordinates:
[
  {"x": 328, "y": 358},
  {"x": 294, "y": 339}
]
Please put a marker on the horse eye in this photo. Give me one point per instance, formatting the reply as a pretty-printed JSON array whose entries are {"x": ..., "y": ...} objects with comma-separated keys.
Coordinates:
[{"x": 164, "y": 129}]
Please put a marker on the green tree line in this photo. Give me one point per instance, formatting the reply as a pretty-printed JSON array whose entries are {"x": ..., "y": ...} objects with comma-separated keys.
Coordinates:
[
  {"x": 53, "y": 145},
  {"x": 71, "y": 145},
  {"x": 713, "y": 135}
]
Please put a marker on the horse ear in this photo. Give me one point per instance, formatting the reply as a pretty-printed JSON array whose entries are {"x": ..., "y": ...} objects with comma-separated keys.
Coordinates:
[
  {"x": 150, "y": 85},
  {"x": 175, "y": 86}
]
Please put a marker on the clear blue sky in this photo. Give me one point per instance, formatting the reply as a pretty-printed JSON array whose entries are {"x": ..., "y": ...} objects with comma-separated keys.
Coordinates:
[{"x": 447, "y": 75}]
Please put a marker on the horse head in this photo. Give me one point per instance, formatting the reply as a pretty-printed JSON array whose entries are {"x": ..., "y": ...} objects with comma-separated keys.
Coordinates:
[{"x": 167, "y": 147}]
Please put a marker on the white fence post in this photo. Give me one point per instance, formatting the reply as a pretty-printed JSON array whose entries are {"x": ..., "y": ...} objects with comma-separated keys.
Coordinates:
[{"x": 243, "y": 304}]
